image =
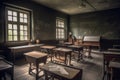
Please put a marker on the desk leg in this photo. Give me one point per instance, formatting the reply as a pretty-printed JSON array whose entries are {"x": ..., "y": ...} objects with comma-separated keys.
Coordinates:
[
  {"x": 65, "y": 59},
  {"x": 70, "y": 59},
  {"x": 89, "y": 52},
  {"x": 30, "y": 68},
  {"x": 12, "y": 73},
  {"x": 37, "y": 67},
  {"x": 80, "y": 55},
  {"x": 50, "y": 53},
  {"x": 104, "y": 73},
  {"x": 46, "y": 76}
]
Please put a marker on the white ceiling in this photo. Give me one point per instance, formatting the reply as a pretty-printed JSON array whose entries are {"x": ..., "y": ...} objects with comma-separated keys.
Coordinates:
[{"x": 72, "y": 7}]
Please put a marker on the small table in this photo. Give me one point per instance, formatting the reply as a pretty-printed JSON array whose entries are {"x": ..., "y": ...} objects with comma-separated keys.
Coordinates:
[
  {"x": 79, "y": 49},
  {"x": 88, "y": 48},
  {"x": 49, "y": 49},
  {"x": 66, "y": 52},
  {"x": 35, "y": 57},
  {"x": 61, "y": 72}
]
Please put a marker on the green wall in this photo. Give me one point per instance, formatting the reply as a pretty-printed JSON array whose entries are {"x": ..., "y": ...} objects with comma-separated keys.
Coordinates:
[{"x": 101, "y": 23}]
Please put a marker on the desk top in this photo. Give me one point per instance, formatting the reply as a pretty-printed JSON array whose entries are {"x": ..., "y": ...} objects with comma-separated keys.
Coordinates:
[
  {"x": 114, "y": 49},
  {"x": 62, "y": 71},
  {"x": 47, "y": 47},
  {"x": 25, "y": 46},
  {"x": 75, "y": 46},
  {"x": 4, "y": 65},
  {"x": 67, "y": 43},
  {"x": 35, "y": 54},
  {"x": 114, "y": 64},
  {"x": 63, "y": 49},
  {"x": 112, "y": 53}
]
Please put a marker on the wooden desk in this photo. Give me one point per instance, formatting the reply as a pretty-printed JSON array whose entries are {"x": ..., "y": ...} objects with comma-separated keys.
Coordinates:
[
  {"x": 34, "y": 58},
  {"x": 61, "y": 72},
  {"x": 66, "y": 52},
  {"x": 49, "y": 49},
  {"x": 115, "y": 70},
  {"x": 90, "y": 41},
  {"x": 79, "y": 49},
  {"x": 22, "y": 49},
  {"x": 116, "y": 46},
  {"x": 4, "y": 68},
  {"x": 114, "y": 49},
  {"x": 107, "y": 57},
  {"x": 67, "y": 43}
]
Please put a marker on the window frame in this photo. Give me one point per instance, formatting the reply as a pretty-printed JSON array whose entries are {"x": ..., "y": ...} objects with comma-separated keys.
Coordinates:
[
  {"x": 18, "y": 23},
  {"x": 59, "y": 27}
]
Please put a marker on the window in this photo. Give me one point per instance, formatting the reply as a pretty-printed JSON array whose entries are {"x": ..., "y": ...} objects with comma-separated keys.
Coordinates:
[
  {"x": 18, "y": 24},
  {"x": 60, "y": 28}
]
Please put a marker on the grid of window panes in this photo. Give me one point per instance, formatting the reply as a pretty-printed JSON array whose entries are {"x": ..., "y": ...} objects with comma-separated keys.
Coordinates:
[
  {"x": 12, "y": 32},
  {"x": 60, "y": 30},
  {"x": 17, "y": 25},
  {"x": 23, "y": 32}
]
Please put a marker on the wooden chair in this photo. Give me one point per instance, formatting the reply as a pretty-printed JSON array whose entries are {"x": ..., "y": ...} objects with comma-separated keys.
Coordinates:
[
  {"x": 115, "y": 69},
  {"x": 6, "y": 67},
  {"x": 108, "y": 56}
]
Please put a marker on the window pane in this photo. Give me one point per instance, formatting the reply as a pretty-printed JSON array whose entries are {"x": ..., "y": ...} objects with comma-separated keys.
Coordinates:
[
  {"x": 25, "y": 37},
  {"x": 9, "y": 26},
  {"x": 21, "y": 27},
  {"x": 15, "y": 26},
  {"x": 15, "y": 19},
  {"x": 21, "y": 15},
  {"x": 21, "y": 19},
  {"x": 15, "y": 32},
  {"x": 25, "y": 15},
  {"x": 25, "y": 32},
  {"x": 9, "y": 18},
  {"x": 9, "y": 12},
  {"x": 21, "y": 32},
  {"x": 15, "y": 38},
  {"x": 25, "y": 27},
  {"x": 21, "y": 38},
  {"x": 62, "y": 24},
  {"x": 9, "y": 32},
  {"x": 14, "y": 13},
  {"x": 25, "y": 20},
  {"x": 10, "y": 38}
]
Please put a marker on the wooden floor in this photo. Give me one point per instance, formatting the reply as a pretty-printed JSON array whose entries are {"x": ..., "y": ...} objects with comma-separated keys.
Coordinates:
[{"x": 92, "y": 68}]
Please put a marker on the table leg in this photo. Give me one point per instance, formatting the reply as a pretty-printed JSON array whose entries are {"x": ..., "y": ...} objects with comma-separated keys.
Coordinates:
[
  {"x": 30, "y": 68},
  {"x": 37, "y": 67},
  {"x": 89, "y": 52},
  {"x": 46, "y": 76},
  {"x": 79, "y": 55},
  {"x": 65, "y": 59},
  {"x": 12, "y": 73},
  {"x": 69, "y": 58}
]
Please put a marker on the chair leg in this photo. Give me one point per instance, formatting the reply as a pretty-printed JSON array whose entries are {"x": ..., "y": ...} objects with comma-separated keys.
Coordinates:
[
  {"x": 3, "y": 76},
  {"x": 30, "y": 68}
]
